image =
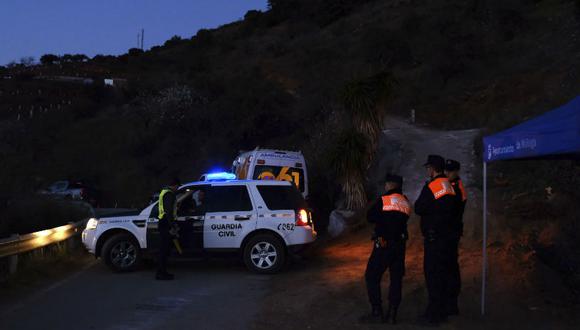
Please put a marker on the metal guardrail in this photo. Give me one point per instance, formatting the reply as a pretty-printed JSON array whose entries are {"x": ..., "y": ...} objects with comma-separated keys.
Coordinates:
[
  {"x": 12, "y": 247},
  {"x": 24, "y": 243}
]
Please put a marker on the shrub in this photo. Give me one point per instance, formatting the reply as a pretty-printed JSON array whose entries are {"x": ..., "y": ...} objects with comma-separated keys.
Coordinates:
[
  {"x": 174, "y": 41},
  {"x": 135, "y": 51},
  {"x": 252, "y": 15},
  {"x": 49, "y": 59},
  {"x": 203, "y": 38}
]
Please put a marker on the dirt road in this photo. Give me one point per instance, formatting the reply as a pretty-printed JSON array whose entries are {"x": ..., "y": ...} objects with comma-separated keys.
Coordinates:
[{"x": 405, "y": 148}]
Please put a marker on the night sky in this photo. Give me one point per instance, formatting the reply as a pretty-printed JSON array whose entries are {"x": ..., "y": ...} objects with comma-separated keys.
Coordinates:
[{"x": 37, "y": 27}]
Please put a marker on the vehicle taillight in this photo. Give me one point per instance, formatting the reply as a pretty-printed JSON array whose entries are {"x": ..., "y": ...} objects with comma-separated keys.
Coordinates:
[
  {"x": 302, "y": 218},
  {"x": 261, "y": 162}
]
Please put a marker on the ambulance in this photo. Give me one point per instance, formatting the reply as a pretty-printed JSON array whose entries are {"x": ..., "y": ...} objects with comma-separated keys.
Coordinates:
[{"x": 269, "y": 164}]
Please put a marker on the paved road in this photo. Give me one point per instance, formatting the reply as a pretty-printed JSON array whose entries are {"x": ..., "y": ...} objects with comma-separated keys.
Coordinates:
[{"x": 219, "y": 294}]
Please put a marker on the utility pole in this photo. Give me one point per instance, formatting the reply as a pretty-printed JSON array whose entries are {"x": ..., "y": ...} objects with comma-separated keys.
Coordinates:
[{"x": 142, "y": 37}]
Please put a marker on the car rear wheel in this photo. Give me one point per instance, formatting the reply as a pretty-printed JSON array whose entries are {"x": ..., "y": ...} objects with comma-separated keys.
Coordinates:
[
  {"x": 264, "y": 254},
  {"x": 121, "y": 253}
]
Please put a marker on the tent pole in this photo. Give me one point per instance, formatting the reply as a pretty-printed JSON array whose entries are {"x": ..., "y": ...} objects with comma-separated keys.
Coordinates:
[{"x": 484, "y": 243}]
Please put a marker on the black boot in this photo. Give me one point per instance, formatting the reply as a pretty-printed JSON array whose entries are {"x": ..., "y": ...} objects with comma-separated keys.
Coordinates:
[
  {"x": 428, "y": 319},
  {"x": 376, "y": 316},
  {"x": 392, "y": 314},
  {"x": 452, "y": 308}
]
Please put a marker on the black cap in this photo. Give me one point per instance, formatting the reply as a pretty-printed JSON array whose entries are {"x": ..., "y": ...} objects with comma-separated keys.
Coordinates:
[
  {"x": 435, "y": 161},
  {"x": 394, "y": 178},
  {"x": 175, "y": 182},
  {"x": 452, "y": 165}
]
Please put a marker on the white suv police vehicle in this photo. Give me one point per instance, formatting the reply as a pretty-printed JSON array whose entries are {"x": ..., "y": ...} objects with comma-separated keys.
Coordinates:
[{"x": 264, "y": 220}]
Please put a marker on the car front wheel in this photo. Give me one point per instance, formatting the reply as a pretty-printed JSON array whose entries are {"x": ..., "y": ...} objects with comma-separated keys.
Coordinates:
[
  {"x": 121, "y": 253},
  {"x": 264, "y": 254}
]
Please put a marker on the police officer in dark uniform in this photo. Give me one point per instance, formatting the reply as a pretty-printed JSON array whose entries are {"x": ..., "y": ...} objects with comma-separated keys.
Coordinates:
[
  {"x": 167, "y": 216},
  {"x": 389, "y": 214},
  {"x": 436, "y": 206},
  {"x": 453, "y": 282}
]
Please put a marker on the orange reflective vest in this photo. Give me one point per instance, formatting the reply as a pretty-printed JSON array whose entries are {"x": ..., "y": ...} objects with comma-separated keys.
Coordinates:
[
  {"x": 441, "y": 187},
  {"x": 396, "y": 202},
  {"x": 459, "y": 185}
]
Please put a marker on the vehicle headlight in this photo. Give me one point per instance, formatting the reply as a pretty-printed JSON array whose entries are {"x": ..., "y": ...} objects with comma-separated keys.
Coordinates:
[{"x": 92, "y": 223}]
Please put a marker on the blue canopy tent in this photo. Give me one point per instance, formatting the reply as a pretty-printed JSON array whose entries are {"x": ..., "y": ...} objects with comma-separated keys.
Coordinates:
[{"x": 553, "y": 134}]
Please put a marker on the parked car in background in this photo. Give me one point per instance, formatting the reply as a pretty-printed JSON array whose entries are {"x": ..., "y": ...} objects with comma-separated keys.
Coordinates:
[{"x": 73, "y": 190}]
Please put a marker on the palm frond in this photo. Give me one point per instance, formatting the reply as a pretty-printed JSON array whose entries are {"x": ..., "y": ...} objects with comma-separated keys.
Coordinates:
[{"x": 348, "y": 159}]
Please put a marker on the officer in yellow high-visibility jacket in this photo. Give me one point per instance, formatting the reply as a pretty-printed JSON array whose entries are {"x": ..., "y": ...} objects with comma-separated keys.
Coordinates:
[{"x": 167, "y": 216}]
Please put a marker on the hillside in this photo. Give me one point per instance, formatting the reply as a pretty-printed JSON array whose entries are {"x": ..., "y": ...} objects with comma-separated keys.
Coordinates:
[
  {"x": 278, "y": 79},
  {"x": 273, "y": 80}
]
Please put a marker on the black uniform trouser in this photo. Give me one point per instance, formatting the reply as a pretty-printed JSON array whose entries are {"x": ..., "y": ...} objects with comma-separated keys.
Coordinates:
[
  {"x": 391, "y": 256},
  {"x": 165, "y": 245},
  {"x": 435, "y": 268},
  {"x": 453, "y": 275}
]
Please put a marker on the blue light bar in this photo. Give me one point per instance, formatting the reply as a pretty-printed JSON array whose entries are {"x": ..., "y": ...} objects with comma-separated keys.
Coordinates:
[{"x": 220, "y": 176}]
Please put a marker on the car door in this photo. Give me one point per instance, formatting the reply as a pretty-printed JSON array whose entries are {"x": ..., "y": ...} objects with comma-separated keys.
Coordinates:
[
  {"x": 190, "y": 218},
  {"x": 229, "y": 218}
]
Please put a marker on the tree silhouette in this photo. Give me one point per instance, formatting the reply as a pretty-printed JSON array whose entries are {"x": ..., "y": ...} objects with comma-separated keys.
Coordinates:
[
  {"x": 67, "y": 58},
  {"x": 364, "y": 100},
  {"x": 348, "y": 161},
  {"x": 135, "y": 51},
  {"x": 174, "y": 41},
  {"x": 78, "y": 58},
  {"x": 27, "y": 60},
  {"x": 49, "y": 59}
]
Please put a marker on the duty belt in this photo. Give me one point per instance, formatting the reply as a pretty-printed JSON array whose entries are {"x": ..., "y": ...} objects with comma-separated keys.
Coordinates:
[{"x": 380, "y": 242}]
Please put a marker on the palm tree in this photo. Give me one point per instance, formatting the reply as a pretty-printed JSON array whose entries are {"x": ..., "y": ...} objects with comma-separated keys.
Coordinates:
[
  {"x": 348, "y": 161},
  {"x": 364, "y": 101}
]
